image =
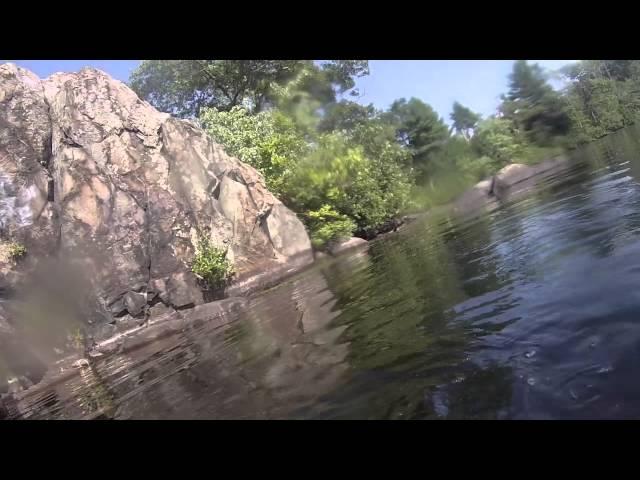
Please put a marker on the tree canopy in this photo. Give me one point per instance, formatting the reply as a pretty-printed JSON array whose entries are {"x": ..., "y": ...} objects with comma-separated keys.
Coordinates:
[
  {"x": 184, "y": 87},
  {"x": 464, "y": 120}
]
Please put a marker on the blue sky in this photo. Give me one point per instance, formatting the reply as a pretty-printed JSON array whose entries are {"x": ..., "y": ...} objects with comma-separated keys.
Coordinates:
[{"x": 476, "y": 84}]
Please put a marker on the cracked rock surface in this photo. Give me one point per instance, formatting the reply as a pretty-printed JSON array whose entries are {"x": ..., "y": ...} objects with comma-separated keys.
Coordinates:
[{"x": 94, "y": 176}]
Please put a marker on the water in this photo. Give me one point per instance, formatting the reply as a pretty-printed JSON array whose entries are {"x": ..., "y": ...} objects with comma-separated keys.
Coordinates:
[{"x": 531, "y": 311}]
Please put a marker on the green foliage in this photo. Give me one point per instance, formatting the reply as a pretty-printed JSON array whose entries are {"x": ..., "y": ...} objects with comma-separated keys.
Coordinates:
[
  {"x": 360, "y": 172},
  {"x": 210, "y": 264},
  {"x": 479, "y": 168},
  {"x": 602, "y": 97},
  {"x": 185, "y": 87},
  {"x": 267, "y": 141},
  {"x": 348, "y": 168},
  {"x": 533, "y": 106},
  {"x": 464, "y": 120},
  {"x": 419, "y": 128},
  {"x": 16, "y": 250},
  {"x": 497, "y": 138},
  {"x": 345, "y": 116},
  {"x": 338, "y": 173},
  {"x": 327, "y": 226}
]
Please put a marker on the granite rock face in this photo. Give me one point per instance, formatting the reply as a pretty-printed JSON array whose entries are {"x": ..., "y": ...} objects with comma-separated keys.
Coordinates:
[{"x": 95, "y": 177}]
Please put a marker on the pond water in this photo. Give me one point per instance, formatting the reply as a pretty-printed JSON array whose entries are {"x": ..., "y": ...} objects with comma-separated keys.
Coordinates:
[{"x": 529, "y": 311}]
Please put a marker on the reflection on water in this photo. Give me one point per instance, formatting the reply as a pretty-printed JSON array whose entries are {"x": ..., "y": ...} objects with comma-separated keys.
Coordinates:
[{"x": 529, "y": 311}]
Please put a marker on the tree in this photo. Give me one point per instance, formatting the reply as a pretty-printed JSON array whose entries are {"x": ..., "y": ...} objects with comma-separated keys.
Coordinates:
[
  {"x": 341, "y": 73},
  {"x": 339, "y": 175},
  {"x": 464, "y": 120},
  {"x": 602, "y": 96},
  {"x": 184, "y": 87},
  {"x": 497, "y": 139},
  {"x": 533, "y": 106},
  {"x": 346, "y": 115},
  {"x": 419, "y": 128}
]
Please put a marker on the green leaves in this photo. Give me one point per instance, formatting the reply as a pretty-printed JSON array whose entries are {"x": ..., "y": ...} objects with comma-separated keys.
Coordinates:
[
  {"x": 185, "y": 87},
  {"x": 327, "y": 225},
  {"x": 533, "y": 106},
  {"x": 464, "y": 120},
  {"x": 211, "y": 264},
  {"x": 419, "y": 129},
  {"x": 358, "y": 174},
  {"x": 497, "y": 138},
  {"x": 602, "y": 96},
  {"x": 16, "y": 251},
  {"x": 268, "y": 141}
]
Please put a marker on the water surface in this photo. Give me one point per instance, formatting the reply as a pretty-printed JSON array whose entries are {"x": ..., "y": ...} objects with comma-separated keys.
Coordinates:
[{"x": 530, "y": 311}]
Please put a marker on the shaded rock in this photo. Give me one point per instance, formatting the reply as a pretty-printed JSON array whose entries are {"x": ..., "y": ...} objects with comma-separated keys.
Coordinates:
[
  {"x": 26, "y": 215},
  {"x": 160, "y": 310},
  {"x": 353, "y": 242},
  {"x": 127, "y": 322},
  {"x": 135, "y": 302}
]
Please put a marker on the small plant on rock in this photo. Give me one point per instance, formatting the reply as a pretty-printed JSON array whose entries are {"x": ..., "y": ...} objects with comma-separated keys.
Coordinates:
[
  {"x": 16, "y": 251},
  {"x": 211, "y": 264}
]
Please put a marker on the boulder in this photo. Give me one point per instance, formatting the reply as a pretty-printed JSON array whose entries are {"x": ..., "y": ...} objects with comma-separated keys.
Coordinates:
[
  {"x": 353, "y": 242},
  {"x": 91, "y": 174},
  {"x": 512, "y": 174}
]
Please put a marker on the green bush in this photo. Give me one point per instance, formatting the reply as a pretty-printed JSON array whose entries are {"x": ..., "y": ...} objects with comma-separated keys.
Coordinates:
[
  {"x": 497, "y": 138},
  {"x": 368, "y": 190},
  {"x": 16, "y": 250},
  {"x": 268, "y": 141},
  {"x": 211, "y": 264},
  {"x": 327, "y": 226}
]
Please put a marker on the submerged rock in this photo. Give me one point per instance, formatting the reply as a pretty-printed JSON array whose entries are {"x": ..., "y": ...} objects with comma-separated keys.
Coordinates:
[{"x": 353, "y": 242}]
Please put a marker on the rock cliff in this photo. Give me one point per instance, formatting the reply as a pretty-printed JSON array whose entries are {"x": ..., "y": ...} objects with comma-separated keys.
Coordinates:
[{"x": 92, "y": 176}]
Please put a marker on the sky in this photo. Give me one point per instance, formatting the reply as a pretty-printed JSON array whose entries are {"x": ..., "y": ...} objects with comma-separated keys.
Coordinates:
[{"x": 477, "y": 84}]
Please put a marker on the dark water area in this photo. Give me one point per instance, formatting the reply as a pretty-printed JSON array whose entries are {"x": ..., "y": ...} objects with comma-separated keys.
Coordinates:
[{"x": 530, "y": 311}]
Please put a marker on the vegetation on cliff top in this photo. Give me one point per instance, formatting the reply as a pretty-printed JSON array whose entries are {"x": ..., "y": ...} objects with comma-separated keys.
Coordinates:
[{"x": 348, "y": 168}]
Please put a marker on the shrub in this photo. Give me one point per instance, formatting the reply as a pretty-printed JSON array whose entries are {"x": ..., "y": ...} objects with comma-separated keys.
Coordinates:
[
  {"x": 268, "y": 141},
  {"x": 16, "y": 250},
  {"x": 211, "y": 264},
  {"x": 327, "y": 226},
  {"x": 337, "y": 174}
]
